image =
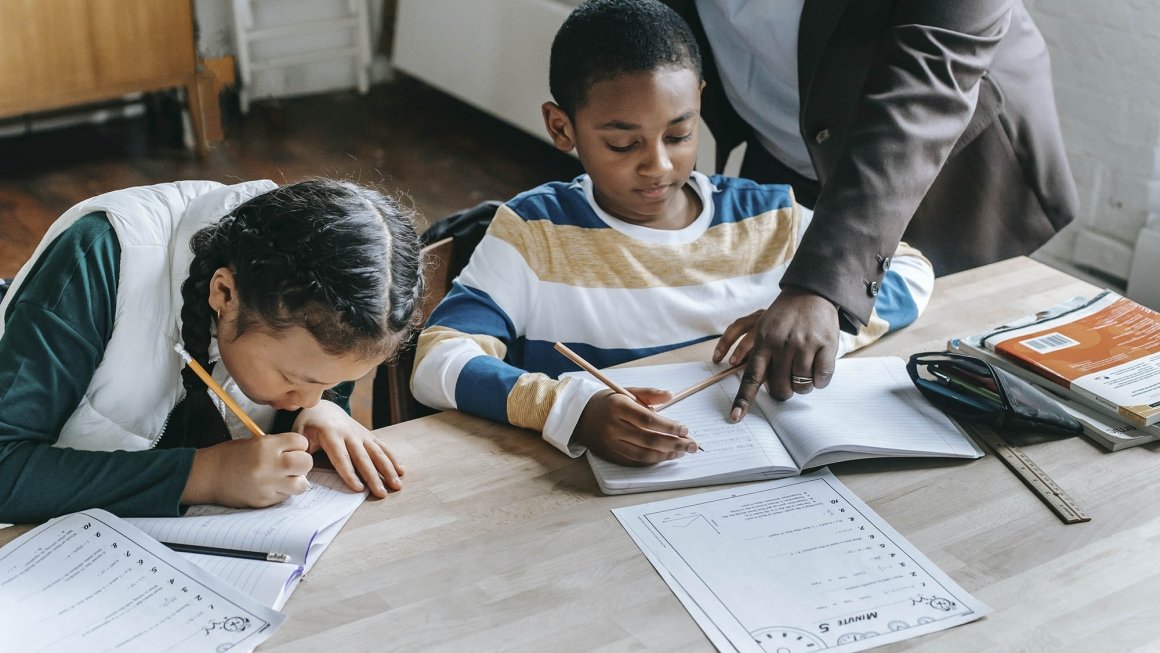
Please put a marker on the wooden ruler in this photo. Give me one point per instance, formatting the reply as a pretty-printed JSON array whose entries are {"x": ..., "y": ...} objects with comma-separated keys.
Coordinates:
[{"x": 1031, "y": 475}]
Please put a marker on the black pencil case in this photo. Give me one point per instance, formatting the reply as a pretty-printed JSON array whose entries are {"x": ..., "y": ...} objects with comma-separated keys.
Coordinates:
[{"x": 971, "y": 389}]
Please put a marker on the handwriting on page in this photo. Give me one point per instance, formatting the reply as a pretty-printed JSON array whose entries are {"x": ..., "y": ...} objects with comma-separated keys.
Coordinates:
[
  {"x": 89, "y": 582},
  {"x": 749, "y": 444}
]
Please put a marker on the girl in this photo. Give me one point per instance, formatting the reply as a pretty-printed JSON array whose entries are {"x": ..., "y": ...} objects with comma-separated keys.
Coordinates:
[{"x": 296, "y": 290}]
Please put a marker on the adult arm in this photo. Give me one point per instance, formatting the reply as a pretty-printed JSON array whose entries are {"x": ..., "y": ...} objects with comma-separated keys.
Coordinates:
[
  {"x": 55, "y": 333},
  {"x": 905, "y": 292},
  {"x": 915, "y": 104}
]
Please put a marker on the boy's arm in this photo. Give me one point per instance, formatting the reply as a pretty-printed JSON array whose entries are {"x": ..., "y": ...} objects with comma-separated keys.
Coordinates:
[
  {"x": 460, "y": 365},
  {"x": 465, "y": 358},
  {"x": 905, "y": 291}
]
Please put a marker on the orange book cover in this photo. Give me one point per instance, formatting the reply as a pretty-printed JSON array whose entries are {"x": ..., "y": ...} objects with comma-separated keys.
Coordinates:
[{"x": 1107, "y": 349}]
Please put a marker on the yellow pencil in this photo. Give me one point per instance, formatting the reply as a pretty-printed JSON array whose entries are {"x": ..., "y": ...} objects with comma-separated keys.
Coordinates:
[
  {"x": 612, "y": 385},
  {"x": 219, "y": 391}
]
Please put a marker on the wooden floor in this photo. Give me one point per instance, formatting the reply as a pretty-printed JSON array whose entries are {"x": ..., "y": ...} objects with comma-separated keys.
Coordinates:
[{"x": 403, "y": 136}]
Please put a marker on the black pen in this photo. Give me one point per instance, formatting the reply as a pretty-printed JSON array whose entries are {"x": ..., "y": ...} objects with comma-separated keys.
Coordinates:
[{"x": 229, "y": 553}]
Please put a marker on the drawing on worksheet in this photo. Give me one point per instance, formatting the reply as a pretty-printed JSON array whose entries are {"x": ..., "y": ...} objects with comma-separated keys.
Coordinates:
[
  {"x": 783, "y": 639},
  {"x": 679, "y": 520},
  {"x": 90, "y": 581},
  {"x": 797, "y": 564}
]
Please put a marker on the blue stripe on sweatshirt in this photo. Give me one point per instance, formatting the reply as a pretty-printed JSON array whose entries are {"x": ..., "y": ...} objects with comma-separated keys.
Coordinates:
[
  {"x": 737, "y": 200},
  {"x": 561, "y": 203},
  {"x": 894, "y": 303},
  {"x": 483, "y": 387},
  {"x": 472, "y": 310}
]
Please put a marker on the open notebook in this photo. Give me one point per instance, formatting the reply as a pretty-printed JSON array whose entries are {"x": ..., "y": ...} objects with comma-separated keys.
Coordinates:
[
  {"x": 870, "y": 409},
  {"x": 301, "y": 527}
]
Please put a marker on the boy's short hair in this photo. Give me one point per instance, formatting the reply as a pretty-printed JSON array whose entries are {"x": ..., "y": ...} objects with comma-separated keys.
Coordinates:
[{"x": 602, "y": 39}]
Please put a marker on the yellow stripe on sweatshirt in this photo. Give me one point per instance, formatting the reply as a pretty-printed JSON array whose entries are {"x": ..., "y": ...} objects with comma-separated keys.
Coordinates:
[
  {"x": 532, "y": 398},
  {"x": 607, "y": 258}
]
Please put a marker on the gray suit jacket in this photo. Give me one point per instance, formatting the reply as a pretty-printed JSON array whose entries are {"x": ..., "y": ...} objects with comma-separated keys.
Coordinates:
[{"x": 930, "y": 121}]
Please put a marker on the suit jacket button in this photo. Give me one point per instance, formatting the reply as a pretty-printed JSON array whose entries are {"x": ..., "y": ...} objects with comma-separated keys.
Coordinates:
[
  {"x": 822, "y": 136},
  {"x": 884, "y": 263},
  {"x": 872, "y": 288}
]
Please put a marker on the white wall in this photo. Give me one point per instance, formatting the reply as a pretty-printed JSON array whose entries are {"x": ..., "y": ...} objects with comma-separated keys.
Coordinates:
[{"x": 1106, "y": 68}]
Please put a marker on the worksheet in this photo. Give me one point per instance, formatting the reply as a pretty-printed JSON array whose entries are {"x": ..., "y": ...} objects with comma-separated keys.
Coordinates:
[
  {"x": 89, "y": 581},
  {"x": 797, "y": 564}
]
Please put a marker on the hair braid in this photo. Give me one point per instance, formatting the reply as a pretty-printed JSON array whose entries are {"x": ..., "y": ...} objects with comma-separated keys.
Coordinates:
[{"x": 203, "y": 422}]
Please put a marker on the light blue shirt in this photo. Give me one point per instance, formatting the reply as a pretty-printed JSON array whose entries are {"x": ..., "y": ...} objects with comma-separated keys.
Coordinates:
[{"x": 755, "y": 47}]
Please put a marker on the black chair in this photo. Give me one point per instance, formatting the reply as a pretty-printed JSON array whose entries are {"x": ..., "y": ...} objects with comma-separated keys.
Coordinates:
[
  {"x": 448, "y": 247},
  {"x": 391, "y": 399}
]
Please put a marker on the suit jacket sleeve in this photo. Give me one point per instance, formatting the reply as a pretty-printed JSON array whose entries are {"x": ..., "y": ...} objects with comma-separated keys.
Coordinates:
[{"x": 915, "y": 104}]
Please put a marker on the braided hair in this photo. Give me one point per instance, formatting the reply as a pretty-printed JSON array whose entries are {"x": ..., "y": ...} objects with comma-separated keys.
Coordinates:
[{"x": 337, "y": 259}]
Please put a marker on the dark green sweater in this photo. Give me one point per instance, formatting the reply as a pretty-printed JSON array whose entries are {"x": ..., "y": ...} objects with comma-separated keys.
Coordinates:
[{"x": 56, "y": 329}]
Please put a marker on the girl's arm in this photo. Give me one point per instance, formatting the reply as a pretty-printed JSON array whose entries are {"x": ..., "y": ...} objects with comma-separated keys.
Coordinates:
[{"x": 56, "y": 328}]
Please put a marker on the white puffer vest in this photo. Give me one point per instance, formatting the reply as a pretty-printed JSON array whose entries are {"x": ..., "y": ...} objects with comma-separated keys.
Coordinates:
[{"x": 138, "y": 381}]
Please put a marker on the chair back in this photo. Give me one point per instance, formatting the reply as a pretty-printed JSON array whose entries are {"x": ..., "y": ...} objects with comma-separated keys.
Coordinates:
[{"x": 392, "y": 401}]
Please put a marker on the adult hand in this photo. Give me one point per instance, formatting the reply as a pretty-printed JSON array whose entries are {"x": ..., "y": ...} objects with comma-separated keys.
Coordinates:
[
  {"x": 249, "y": 473},
  {"x": 623, "y": 431},
  {"x": 358, "y": 455},
  {"x": 791, "y": 346}
]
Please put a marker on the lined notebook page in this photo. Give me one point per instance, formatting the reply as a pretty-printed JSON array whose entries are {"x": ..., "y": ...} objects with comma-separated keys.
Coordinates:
[
  {"x": 747, "y": 449},
  {"x": 870, "y": 408},
  {"x": 289, "y": 527}
]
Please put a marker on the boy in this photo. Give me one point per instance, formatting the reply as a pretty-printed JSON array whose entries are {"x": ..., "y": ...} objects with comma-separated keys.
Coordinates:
[{"x": 638, "y": 256}]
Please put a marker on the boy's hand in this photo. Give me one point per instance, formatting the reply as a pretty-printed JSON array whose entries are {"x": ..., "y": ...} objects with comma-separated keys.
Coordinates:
[
  {"x": 355, "y": 452},
  {"x": 622, "y": 431},
  {"x": 796, "y": 337},
  {"x": 250, "y": 473}
]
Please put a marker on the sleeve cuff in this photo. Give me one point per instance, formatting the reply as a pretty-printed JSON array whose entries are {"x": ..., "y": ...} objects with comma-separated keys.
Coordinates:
[
  {"x": 565, "y": 413},
  {"x": 848, "y": 322}
]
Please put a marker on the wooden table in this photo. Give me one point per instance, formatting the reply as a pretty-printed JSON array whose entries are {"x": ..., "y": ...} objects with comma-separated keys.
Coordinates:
[{"x": 500, "y": 542}]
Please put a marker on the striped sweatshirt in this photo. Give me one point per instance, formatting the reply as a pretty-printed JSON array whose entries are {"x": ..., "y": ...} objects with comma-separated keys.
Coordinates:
[{"x": 554, "y": 266}]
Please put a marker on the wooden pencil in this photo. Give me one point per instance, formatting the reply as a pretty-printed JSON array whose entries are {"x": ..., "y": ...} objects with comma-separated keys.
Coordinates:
[
  {"x": 591, "y": 369},
  {"x": 219, "y": 391},
  {"x": 612, "y": 385},
  {"x": 697, "y": 387}
]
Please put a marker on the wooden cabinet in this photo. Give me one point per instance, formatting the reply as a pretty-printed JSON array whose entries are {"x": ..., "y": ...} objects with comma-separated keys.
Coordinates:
[{"x": 58, "y": 53}]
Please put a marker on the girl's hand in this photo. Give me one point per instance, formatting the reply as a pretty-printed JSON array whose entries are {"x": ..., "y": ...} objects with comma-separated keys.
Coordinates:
[
  {"x": 622, "y": 431},
  {"x": 355, "y": 452},
  {"x": 250, "y": 473}
]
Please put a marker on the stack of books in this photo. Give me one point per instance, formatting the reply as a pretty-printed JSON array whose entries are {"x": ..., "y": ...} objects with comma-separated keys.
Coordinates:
[{"x": 1099, "y": 357}]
